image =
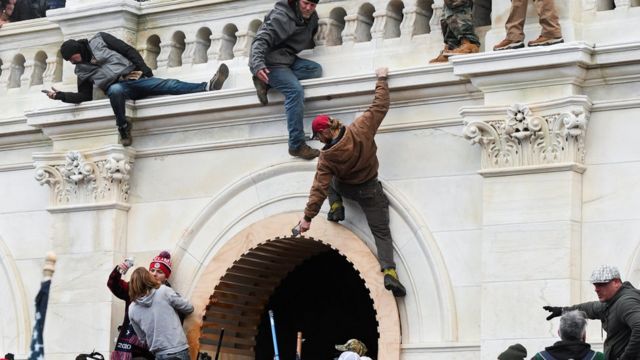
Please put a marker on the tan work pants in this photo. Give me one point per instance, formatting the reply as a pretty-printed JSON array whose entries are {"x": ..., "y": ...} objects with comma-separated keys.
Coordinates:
[{"x": 546, "y": 12}]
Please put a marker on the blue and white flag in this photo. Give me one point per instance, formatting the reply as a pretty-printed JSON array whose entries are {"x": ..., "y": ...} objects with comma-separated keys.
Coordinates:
[{"x": 37, "y": 342}]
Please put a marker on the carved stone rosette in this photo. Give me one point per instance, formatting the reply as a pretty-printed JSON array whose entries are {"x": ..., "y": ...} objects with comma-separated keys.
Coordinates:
[
  {"x": 86, "y": 179},
  {"x": 525, "y": 140}
]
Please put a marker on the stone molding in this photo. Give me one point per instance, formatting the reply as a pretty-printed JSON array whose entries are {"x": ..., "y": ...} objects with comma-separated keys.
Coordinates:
[
  {"x": 90, "y": 180},
  {"x": 528, "y": 142}
]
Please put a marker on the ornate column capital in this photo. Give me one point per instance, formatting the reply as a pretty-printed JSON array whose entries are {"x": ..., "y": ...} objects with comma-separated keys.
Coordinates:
[
  {"x": 86, "y": 180},
  {"x": 527, "y": 141}
]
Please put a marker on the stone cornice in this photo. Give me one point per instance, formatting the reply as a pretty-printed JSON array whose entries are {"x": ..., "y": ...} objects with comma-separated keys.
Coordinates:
[
  {"x": 82, "y": 181},
  {"x": 524, "y": 139}
]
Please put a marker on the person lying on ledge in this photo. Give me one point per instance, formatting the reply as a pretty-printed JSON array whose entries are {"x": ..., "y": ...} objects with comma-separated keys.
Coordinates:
[{"x": 115, "y": 67}]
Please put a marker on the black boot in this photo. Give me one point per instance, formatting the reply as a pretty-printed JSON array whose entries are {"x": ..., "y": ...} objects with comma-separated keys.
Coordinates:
[
  {"x": 336, "y": 213},
  {"x": 393, "y": 284},
  {"x": 125, "y": 134}
]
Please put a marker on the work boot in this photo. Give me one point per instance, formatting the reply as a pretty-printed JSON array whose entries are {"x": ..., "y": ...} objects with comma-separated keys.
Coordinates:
[
  {"x": 392, "y": 283},
  {"x": 336, "y": 213},
  {"x": 544, "y": 41},
  {"x": 466, "y": 47},
  {"x": 507, "y": 44},
  {"x": 261, "y": 90},
  {"x": 219, "y": 77},
  {"x": 441, "y": 58},
  {"x": 125, "y": 134},
  {"x": 305, "y": 151}
]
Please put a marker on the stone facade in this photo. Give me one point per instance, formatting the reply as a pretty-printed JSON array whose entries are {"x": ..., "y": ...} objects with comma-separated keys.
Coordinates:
[{"x": 510, "y": 174}]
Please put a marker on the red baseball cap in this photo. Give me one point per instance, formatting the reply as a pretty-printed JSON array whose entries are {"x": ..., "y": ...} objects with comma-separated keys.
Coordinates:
[{"x": 319, "y": 124}]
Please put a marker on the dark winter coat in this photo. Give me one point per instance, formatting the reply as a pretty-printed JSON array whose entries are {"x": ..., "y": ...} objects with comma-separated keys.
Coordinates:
[
  {"x": 620, "y": 318},
  {"x": 567, "y": 350},
  {"x": 91, "y": 62},
  {"x": 283, "y": 34}
]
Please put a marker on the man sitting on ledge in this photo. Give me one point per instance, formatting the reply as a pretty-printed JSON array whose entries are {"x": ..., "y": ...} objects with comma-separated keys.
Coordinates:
[{"x": 118, "y": 69}]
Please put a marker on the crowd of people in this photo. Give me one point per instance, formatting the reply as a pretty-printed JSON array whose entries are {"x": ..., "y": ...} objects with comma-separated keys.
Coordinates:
[
  {"x": 19, "y": 10},
  {"x": 618, "y": 309},
  {"x": 347, "y": 166}
]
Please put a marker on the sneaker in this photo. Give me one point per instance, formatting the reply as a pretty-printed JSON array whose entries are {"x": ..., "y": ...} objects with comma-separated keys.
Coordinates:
[
  {"x": 507, "y": 44},
  {"x": 336, "y": 213},
  {"x": 466, "y": 47},
  {"x": 392, "y": 283},
  {"x": 219, "y": 77},
  {"x": 305, "y": 152},
  {"x": 125, "y": 135},
  {"x": 261, "y": 90},
  {"x": 544, "y": 41}
]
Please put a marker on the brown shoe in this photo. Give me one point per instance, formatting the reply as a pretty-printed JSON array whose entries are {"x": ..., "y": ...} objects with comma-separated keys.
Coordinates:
[
  {"x": 441, "y": 58},
  {"x": 305, "y": 152},
  {"x": 466, "y": 47},
  {"x": 507, "y": 44},
  {"x": 544, "y": 41}
]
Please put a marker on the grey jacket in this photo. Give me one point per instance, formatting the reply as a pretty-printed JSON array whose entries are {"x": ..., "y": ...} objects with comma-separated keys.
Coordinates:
[
  {"x": 620, "y": 318},
  {"x": 107, "y": 67},
  {"x": 283, "y": 34},
  {"x": 155, "y": 321}
]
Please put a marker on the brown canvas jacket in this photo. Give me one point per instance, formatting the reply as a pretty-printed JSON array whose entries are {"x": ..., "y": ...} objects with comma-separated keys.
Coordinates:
[{"x": 353, "y": 159}]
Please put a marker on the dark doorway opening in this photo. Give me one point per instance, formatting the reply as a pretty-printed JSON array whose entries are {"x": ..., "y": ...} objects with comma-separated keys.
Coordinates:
[{"x": 325, "y": 298}]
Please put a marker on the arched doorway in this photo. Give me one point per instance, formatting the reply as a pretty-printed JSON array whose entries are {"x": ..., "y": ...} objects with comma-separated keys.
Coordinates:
[{"x": 311, "y": 288}]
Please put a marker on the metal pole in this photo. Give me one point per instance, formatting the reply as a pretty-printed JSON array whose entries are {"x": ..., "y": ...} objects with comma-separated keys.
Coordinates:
[
  {"x": 219, "y": 343},
  {"x": 273, "y": 335}
]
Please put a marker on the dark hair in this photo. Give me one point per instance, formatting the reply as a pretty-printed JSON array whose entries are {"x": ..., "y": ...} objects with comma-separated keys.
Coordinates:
[{"x": 94, "y": 355}]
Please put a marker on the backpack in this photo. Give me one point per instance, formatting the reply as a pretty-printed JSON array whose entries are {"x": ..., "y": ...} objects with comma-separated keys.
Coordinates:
[
  {"x": 93, "y": 356},
  {"x": 546, "y": 356}
]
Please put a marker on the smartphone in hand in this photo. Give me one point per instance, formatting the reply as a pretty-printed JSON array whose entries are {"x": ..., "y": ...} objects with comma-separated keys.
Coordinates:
[{"x": 45, "y": 91}]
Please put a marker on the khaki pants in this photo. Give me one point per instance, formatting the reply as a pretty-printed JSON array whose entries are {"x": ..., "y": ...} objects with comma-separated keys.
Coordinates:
[{"x": 546, "y": 12}]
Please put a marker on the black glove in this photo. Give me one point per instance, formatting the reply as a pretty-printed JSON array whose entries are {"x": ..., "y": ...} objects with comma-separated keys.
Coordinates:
[{"x": 555, "y": 311}]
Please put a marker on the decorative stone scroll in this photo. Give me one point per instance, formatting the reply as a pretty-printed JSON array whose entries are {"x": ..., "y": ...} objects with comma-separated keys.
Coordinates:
[
  {"x": 523, "y": 139},
  {"x": 81, "y": 180}
]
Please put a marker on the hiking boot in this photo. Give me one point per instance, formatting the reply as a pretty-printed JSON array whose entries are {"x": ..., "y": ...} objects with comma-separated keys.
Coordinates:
[
  {"x": 125, "y": 134},
  {"x": 305, "y": 152},
  {"x": 507, "y": 44},
  {"x": 441, "y": 58},
  {"x": 261, "y": 90},
  {"x": 336, "y": 213},
  {"x": 392, "y": 283},
  {"x": 544, "y": 41},
  {"x": 219, "y": 77},
  {"x": 466, "y": 47}
]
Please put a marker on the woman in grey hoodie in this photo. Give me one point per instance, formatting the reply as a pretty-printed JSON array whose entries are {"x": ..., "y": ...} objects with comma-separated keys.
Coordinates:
[{"x": 154, "y": 318}]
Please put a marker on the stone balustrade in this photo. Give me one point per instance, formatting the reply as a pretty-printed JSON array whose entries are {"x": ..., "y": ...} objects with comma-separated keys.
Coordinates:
[{"x": 177, "y": 34}]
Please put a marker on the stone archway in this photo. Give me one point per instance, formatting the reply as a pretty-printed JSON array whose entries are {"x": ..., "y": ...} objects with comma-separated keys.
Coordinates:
[
  {"x": 14, "y": 304},
  {"x": 229, "y": 271}
]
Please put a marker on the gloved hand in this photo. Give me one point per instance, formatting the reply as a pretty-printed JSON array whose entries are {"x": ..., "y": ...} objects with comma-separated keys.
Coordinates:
[{"x": 555, "y": 311}]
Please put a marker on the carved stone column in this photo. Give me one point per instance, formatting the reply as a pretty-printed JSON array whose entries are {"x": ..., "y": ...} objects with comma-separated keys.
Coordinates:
[
  {"x": 243, "y": 43},
  {"x": 531, "y": 132},
  {"x": 349, "y": 32},
  {"x": 189, "y": 51},
  {"x": 416, "y": 21},
  {"x": 532, "y": 163},
  {"x": 323, "y": 31},
  {"x": 88, "y": 202},
  {"x": 25, "y": 79}
]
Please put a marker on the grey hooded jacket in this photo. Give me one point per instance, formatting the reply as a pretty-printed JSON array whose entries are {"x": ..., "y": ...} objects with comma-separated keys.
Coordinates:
[
  {"x": 106, "y": 68},
  {"x": 155, "y": 321},
  {"x": 283, "y": 34},
  {"x": 620, "y": 318}
]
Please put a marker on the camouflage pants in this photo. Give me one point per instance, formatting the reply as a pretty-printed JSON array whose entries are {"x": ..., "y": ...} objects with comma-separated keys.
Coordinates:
[{"x": 457, "y": 23}]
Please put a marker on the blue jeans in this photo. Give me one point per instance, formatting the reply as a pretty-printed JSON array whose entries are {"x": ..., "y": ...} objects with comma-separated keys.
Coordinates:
[
  {"x": 139, "y": 89},
  {"x": 287, "y": 81},
  {"x": 181, "y": 355}
]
